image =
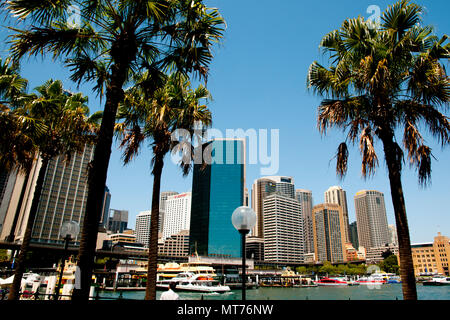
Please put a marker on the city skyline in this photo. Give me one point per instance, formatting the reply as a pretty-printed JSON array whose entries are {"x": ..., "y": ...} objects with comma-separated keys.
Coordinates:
[{"x": 250, "y": 92}]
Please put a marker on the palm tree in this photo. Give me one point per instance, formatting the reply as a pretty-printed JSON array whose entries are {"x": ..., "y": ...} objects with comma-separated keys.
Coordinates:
[
  {"x": 158, "y": 116},
  {"x": 385, "y": 80},
  {"x": 14, "y": 129},
  {"x": 67, "y": 130},
  {"x": 12, "y": 85},
  {"x": 113, "y": 40}
]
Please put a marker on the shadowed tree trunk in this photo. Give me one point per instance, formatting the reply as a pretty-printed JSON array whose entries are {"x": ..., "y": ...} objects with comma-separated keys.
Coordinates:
[
  {"x": 21, "y": 260},
  {"x": 150, "y": 290},
  {"x": 97, "y": 178},
  {"x": 393, "y": 161}
]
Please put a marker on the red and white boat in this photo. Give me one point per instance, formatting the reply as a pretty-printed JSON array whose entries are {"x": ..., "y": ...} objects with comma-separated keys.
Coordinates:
[{"x": 332, "y": 282}]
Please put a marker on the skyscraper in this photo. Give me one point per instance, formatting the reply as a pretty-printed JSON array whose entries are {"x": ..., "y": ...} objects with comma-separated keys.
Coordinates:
[
  {"x": 353, "y": 232},
  {"x": 338, "y": 196},
  {"x": 261, "y": 188},
  {"x": 306, "y": 204},
  {"x": 177, "y": 214},
  {"x": 283, "y": 229},
  {"x": 329, "y": 240},
  {"x": 371, "y": 219},
  {"x": 64, "y": 195},
  {"x": 393, "y": 239},
  {"x": 217, "y": 190},
  {"x": 105, "y": 208},
  {"x": 118, "y": 221},
  {"x": 162, "y": 208},
  {"x": 143, "y": 227}
]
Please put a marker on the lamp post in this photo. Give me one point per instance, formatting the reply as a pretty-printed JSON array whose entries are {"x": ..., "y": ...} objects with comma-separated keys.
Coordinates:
[
  {"x": 69, "y": 230},
  {"x": 243, "y": 219}
]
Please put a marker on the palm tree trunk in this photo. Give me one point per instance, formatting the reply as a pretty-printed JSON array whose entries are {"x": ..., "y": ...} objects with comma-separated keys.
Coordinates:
[
  {"x": 11, "y": 236},
  {"x": 150, "y": 290},
  {"x": 21, "y": 260},
  {"x": 393, "y": 161},
  {"x": 97, "y": 182}
]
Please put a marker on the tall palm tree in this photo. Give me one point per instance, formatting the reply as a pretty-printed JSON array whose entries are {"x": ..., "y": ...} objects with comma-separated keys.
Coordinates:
[
  {"x": 67, "y": 130},
  {"x": 156, "y": 117},
  {"x": 109, "y": 41},
  {"x": 386, "y": 80}
]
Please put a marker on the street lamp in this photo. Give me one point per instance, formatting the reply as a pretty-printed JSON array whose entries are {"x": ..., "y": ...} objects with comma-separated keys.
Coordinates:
[
  {"x": 243, "y": 219},
  {"x": 68, "y": 231}
]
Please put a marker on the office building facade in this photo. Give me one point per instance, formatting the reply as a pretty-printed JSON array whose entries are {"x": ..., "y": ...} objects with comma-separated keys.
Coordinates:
[
  {"x": 142, "y": 227},
  {"x": 306, "y": 204},
  {"x": 329, "y": 239},
  {"x": 177, "y": 215},
  {"x": 263, "y": 187},
  {"x": 283, "y": 229},
  {"x": 371, "y": 218},
  {"x": 217, "y": 190},
  {"x": 433, "y": 257},
  {"x": 63, "y": 197},
  {"x": 118, "y": 221},
  {"x": 162, "y": 207},
  {"x": 338, "y": 196}
]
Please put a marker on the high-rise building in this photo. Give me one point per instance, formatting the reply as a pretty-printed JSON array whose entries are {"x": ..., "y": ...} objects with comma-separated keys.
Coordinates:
[
  {"x": 283, "y": 229},
  {"x": 393, "y": 239},
  {"x": 353, "y": 233},
  {"x": 162, "y": 207},
  {"x": 143, "y": 227},
  {"x": 329, "y": 240},
  {"x": 217, "y": 190},
  {"x": 16, "y": 203},
  {"x": 177, "y": 215},
  {"x": 306, "y": 203},
  {"x": 263, "y": 187},
  {"x": 118, "y": 221},
  {"x": 104, "y": 219},
  {"x": 338, "y": 196},
  {"x": 63, "y": 197},
  {"x": 371, "y": 219}
]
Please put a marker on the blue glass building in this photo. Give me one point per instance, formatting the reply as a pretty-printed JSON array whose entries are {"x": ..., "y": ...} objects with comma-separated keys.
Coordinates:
[{"x": 217, "y": 190}]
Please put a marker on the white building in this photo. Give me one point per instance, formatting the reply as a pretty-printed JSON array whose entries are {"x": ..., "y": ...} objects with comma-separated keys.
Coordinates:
[
  {"x": 162, "y": 207},
  {"x": 177, "y": 215},
  {"x": 263, "y": 187},
  {"x": 143, "y": 227},
  {"x": 283, "y": 229}
]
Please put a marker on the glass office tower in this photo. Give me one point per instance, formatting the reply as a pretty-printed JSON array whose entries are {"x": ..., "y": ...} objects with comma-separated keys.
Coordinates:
[{"x": 217, "y": 190}]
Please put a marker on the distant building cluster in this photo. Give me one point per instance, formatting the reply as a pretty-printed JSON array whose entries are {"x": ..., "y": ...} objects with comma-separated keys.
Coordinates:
[{"x": 290, "y": 227}]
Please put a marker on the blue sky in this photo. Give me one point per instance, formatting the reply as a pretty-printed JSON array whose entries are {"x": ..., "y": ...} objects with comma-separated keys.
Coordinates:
[{"x": 258, "y": 81}]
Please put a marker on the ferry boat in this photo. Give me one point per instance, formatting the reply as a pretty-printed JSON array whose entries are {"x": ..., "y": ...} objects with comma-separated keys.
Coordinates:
[
  {"x": 437, "y": 281},
  {"x": 171, "y": 270},
  {"x": 332, "y": 282},
  {"x": 189, "y": 281}
]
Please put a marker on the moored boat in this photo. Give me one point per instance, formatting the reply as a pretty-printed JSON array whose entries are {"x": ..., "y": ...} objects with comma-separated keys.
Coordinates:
[
  {"x": 437, "y": 281},
  {"x": 189, "y": 281},
  {"x": 332, "y": 282}
]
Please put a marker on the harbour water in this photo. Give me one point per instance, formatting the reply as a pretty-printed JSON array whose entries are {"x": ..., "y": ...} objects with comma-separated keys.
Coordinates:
[{"x": 361, "y": 292}]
